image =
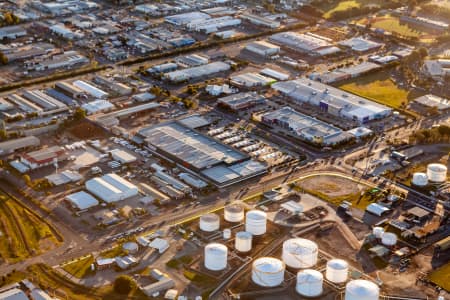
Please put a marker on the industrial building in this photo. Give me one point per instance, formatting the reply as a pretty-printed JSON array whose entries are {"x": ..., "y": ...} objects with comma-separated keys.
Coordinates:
[
  {"x": 91, "y": 89},
  {"x": 212, "y": 25},
  {"x": 118, "y": 87},
  {"x": 274, "y": 74},
  {"x": 153, "y": 193},
  {"x": 97, "y": 106},
  {"x": 192, "y": 60},
  {"x": 241, "y": 100},
  {"x": 69, "y": 89},
  {"x": 111, "y": 188},
  {"x": 65, "y": 60},
  {"x": 12, "y": 32},
  {"x": 251, "y": 80},
  {"x": 361, "y": 45},
  {"x": 260, "y": 21},
  {"x": 199, "y": 153},
  {"x": 347, "y": 72},
  {"x": 305, "y": 127},
  {"x": 186, "y": 18},
  {"x": 43, "y": 100},
  {"x": 263, "y": 48},
  {"x": 430, "y": 100},
  {"x": 11, "y": 146},
  {"x": 309, "y": 43},
  {"x": 81, "y": 200},
  {"x": 43, "y": 157},
  {"x": 163, "y": 68},
  {"x": 24, "y": 104},
  {"x": 332, "y": 100},
  {"x": 197, "y": 72},
  {"x": 122, "y": 156}
]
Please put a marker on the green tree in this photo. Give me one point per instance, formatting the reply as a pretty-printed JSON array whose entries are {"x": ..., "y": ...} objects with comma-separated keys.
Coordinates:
[
  {"x": 124, "y": 284},
  {"x": 3, "y": 59},
  {"x": 79, "y": 114},
  {"x": 27, "y": 179}
]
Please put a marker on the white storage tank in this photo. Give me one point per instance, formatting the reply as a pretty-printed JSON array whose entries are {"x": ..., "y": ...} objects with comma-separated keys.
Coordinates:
[
  {"x": 337, "y": 270},
  {"x": 378, "y": 231},
  {"x": 209, "y": 222},
  {"x": 234, "y": 213},
  {"x": 130, "y": 247},
  {"x": 256, "y": 222},
  {"x": 268, "y": 271},
  {"x": 309, "y": 283},
  {"x": 227, "y": 233},
  {"x": 419, "y": 179},
  {"x": 362, "y": 290},
  {"x": 243, "y": 241},
  {"x": 216, "y": 256},
  {"x": 437, "y": 173},
  {"x": 300, "y": 253},
  {"x": 389, "y": 239}
]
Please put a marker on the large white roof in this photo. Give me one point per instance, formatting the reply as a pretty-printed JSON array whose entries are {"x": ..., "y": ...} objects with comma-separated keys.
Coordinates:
[
  {"x": 118, "y": 182},
  {"x": 82, "y": 200}
]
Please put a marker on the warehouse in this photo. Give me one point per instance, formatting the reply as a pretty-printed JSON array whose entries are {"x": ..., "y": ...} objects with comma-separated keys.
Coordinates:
[
  {"x": 43, "y": 100},
  {"x": 200, "y": 153},
  {"x": 19, "y": 144},
  {"x": 348, "y": 72},
  {"x": 122, "y": 156},
  {"x": 263, "y": 48},
  {"x": 260, "y": 21},
  {"x": 69, "y": 89},
  {"x": 127, "y": 188},
  {"x": 103, "y": 190},
  {"x": 117, "y": 87},
  {"x": 193, "y": 149},
  {"x": 61, "y": 97},
  {"x": 66, "y": 60},
  {"x": 43, "y": 157},
  {"x": 303, "y": 126},
  {"x": 197, "y": 72},
  {"x": 275, "y": 74},
  {"x": 154, "y": 193},
  {"x": 242, "y": 100},
  {"x": 5, "y": 105},
  {"x": 24, "y": 104},
  {"x": 192, "y": 181},
  {"x": 97, "y": 106},
  {"x": 12, "y": 32},
  {"x": 433, "y": 101},
  {"x": 90, "y": 89},
  {"x": 251, "y": 80},
  {"x": 173, "y": 182},
  {"x": 192, "y": 60},
  {"x": 308, "y": 43},
  {"x": 332, "y": 100},
  {"x": 361, "y": 45},
  {"x": 183, "y": 19},
  {"x": 81, "y": 200},
  {"x": 163, "y": 68},
  {"x": 212, "y": 25}
]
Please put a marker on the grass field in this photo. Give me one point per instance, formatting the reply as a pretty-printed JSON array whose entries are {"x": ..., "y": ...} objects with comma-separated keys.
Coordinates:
[
  {"x": 23, "y": 234},
  {"x": 330, "y": 7},
  {"x": 441, "y": 277},
  {"x": 380, "y": 88},
  {"x": 80, "y": 268},
  {"x": 393, "y": 24}
]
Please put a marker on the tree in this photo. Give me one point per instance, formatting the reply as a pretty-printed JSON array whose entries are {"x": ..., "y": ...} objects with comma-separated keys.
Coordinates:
[
  {"x": 423, "y": 52},
  {"x": 3, "y": 59},
  {"x": 124, "y": 284},
  {"x": 79, "y": 114},
  {"x": 27, "y": 179}
]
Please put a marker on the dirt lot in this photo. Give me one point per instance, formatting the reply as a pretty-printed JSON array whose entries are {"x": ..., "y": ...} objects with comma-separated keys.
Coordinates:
[
  {"x": 331, "y": 186},
  {"x": 86, "y": 130}
]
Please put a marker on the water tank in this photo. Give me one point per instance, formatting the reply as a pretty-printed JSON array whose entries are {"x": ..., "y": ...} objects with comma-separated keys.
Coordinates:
[
  {"x": 268, "y": 271},
  {"x": 300, "y": 253},
  {"x": 389, "y": 239},
  {"x": 361, "y": 290},
  {"x": 437, "y": 173},
  {"x": 243, "y": 241},
  {"x": 337, "y": 270},
  {"x": 130, "y": 247},
  {"x": 209, "y": 222},
  {"x": 216, "y": 256},
  {"x": 256, "y": 222},
  {"x": 309, "y": 283},
  {"x": 378, "y": 232},
  {"x": 234, "y": 213},
  {"x": 227, "y": 233},
  {"x": 419, "y": 179}
]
